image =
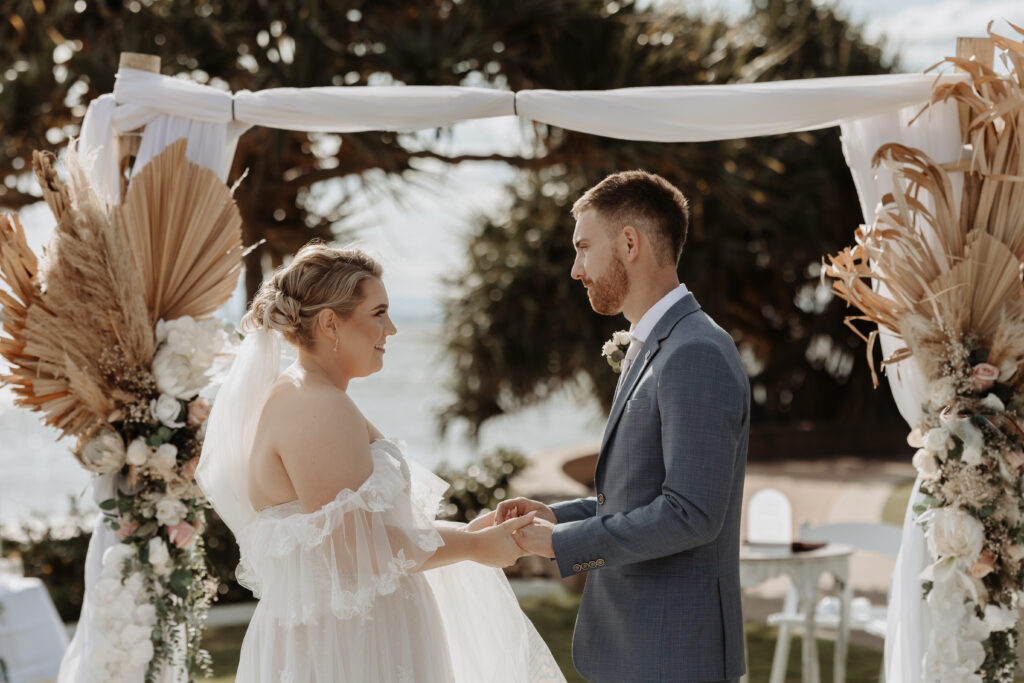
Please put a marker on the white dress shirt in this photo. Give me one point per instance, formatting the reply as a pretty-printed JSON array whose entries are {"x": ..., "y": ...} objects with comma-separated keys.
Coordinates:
[{"x": 642, "y": 329}]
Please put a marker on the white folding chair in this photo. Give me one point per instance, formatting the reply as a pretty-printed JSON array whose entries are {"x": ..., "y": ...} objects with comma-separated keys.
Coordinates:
[{"x": 883, "y": 539}]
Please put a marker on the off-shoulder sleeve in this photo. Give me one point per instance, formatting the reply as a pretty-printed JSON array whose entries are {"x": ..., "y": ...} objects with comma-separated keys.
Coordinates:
[{"x": 338, "y": 559}]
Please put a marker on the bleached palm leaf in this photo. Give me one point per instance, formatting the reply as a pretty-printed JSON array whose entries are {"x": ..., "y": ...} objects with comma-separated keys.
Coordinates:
[
  {"x": 185, "y": 230},
  {"x": 950, "y": 273}
]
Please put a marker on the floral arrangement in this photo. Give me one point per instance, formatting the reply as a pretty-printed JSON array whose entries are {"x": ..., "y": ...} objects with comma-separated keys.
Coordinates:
[
  {"x": 159, "y": 512},
  {"x": 110, "y": 337},
  {"x": 950, "y": 266},
  {"x": 614, "y": 350}
]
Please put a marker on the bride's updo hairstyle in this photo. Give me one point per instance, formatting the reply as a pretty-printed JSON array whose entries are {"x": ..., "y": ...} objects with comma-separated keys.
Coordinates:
[{"x": 318, "y": 278}]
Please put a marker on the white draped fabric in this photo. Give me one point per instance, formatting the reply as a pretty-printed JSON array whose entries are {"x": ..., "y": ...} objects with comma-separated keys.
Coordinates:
[
  {"x": 937, "y": 133},
  {"x": 662, "y": 114},
  {"x": 722, "y": 112},
  {"x": 872, "y": 109}
]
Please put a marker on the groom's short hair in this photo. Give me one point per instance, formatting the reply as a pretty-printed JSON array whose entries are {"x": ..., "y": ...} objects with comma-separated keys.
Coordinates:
[{"x": 649, "y": 203}]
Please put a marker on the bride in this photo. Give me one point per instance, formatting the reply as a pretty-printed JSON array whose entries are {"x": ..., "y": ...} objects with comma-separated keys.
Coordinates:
[{"x": 356, "y": 580}]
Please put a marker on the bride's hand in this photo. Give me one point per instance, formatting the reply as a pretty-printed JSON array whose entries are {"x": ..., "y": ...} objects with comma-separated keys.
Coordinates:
[
  {"x": 481, "y": 521},
  {"x": 496, "y": 546}
]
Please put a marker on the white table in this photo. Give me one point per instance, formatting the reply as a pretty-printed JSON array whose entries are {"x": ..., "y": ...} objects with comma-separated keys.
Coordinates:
[
  {"x": 804, "y": 569},
  {"x": 32, "y": 636}
]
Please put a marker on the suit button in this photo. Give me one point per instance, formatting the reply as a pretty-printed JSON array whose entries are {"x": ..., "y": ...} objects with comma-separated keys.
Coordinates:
[
  {"x": 600, "y": 499},
  {"x": 600, "y": 562},
  {"x": 577, "y": 567}
]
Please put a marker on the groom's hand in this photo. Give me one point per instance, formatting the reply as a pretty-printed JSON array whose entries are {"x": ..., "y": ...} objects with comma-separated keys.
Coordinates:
[
  {"x": 536, "y": 538},
  {"x": 517, "y": 507}
]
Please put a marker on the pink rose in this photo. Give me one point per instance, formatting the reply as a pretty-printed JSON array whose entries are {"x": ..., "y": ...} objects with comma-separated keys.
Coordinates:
[
  {"x": 984, "y": 376},
  {"x": 127, "y": 528},
  {"x": 189, "y": 472},
  {"x": 198, "y": 411},
  {"x": 182, "y": 534},
  {"x": 984, "y": 565}
]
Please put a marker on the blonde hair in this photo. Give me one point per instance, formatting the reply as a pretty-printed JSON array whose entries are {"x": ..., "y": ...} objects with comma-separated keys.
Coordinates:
[{"x": 318, "y": 278}]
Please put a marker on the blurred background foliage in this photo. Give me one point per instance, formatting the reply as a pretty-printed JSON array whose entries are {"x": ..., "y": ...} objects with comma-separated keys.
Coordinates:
[{"x": 517, "y": 327}]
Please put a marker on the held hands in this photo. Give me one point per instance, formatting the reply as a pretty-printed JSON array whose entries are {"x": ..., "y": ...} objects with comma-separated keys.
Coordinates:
[
  {"x": 496, "y": 544},
  {"x": 517, "y": 507},
  {"x": 535, "y": 539}
]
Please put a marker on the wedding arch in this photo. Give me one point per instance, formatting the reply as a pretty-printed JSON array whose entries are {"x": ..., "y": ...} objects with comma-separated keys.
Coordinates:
[{"x": 169, "y": 224}]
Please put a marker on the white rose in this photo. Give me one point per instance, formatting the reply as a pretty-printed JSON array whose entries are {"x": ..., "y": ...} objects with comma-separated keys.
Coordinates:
[
  {"x": 926, "y": 464},
  {"x": 1000, "y": 618},
  {"x": 954, "y": 533},
  {"x": 621, "y": 338},
  {"x": 937, "y": 441},
  {"x": 114, "y": 558},
  {"x": 141, "y": 654},
  {"x": 145, "y": 614},
  {"x": 175, "y": 375},
  {"x": 170, "y": 511},
  {"x": 133, "y": 635},
  {"x": 139, "y": 452},
  {"x": 165, "y": 458},
  {"x": 108, "y": 587},
  {"x": 166, "y": 410},
  {"x": 992, "y": 402},
  {"x": 609, "y": 348},
  {"x": 135, "y": 584},
  {"x": 123, "y": 608},
  {"x": 158, "y": 554}
]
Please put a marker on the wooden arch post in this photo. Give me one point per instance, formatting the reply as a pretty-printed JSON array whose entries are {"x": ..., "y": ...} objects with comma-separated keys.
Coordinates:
[{"x": 128, "y": 143}]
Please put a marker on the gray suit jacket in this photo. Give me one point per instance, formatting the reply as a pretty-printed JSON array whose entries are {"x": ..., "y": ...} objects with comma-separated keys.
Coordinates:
[{"x": 661, "y": 539}]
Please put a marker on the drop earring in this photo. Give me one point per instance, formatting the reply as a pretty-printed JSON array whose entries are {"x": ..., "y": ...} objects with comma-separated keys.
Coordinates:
[{"x": 336, "y": 344}]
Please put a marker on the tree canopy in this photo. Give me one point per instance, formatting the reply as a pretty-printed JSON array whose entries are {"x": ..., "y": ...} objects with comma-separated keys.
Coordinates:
[{"x": 764, "y": 210}]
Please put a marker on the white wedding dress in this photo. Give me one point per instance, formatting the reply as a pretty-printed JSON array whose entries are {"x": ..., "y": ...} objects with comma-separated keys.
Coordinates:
[{"x": 340, "y": 597}]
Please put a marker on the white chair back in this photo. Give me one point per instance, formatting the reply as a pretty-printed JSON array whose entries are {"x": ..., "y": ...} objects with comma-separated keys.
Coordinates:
[{"x": 769, "y": 518}]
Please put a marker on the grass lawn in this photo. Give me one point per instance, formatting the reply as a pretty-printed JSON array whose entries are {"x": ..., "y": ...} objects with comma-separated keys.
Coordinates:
[
  {"x": 554, "y": 618},
  {"x": 896, "y": 505}
]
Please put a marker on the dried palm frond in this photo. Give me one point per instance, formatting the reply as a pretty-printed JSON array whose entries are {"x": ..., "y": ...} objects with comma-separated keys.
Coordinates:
[
  {"x": 942, "y": 273},
  {"x": 79, "y": 324},
  {"x": 186, "y": 232}
]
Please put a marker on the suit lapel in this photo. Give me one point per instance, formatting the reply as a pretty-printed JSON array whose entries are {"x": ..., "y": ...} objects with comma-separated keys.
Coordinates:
[{"x": 679, "y": 310}]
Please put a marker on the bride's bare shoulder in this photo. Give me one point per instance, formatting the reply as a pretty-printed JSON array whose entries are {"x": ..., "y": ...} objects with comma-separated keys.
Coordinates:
[{"x": 321, "y": 438}]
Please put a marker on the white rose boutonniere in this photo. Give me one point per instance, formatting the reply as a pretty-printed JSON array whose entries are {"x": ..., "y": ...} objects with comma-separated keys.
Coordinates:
[{"x": 614, "y": 350}]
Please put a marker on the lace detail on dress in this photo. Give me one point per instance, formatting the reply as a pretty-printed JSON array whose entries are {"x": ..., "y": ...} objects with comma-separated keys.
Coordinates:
[{"x": 339, "y": 558}]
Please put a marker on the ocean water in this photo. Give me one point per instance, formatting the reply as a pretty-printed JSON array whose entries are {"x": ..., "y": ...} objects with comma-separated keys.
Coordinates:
[{"x": 38, "y": 475}]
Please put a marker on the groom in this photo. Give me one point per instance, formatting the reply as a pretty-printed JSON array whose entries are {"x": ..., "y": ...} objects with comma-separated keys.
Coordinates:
[{"x": 661, "y": 539}]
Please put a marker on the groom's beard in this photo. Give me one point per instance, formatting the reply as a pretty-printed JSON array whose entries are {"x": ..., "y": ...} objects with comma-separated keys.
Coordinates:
[{"x": 609, "y": 291}]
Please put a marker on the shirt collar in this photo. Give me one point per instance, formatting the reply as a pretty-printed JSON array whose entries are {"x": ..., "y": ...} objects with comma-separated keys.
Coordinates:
[{"x": 642, "y": 329}]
